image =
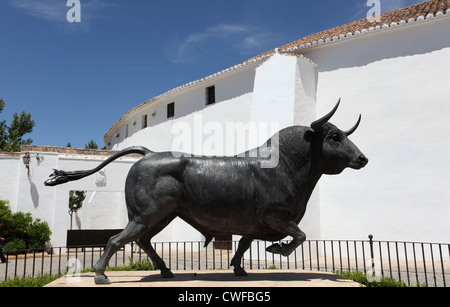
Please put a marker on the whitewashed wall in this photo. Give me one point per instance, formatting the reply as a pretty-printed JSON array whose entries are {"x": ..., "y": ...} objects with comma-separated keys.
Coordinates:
[
  {"x": 398, "y": 80},
  {"x": 233, "y": 93},
  {"x": 50, "y": 204},
  {"x": 9, "y": 179},
  {"x": 285, "y": 95}
]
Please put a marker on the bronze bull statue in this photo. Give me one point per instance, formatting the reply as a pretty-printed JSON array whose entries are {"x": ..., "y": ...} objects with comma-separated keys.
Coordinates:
[{"x": 228, "y": 195}]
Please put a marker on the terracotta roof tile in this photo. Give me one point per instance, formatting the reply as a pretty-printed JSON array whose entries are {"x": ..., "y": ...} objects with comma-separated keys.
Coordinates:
[{"x": 406, "y": 14}]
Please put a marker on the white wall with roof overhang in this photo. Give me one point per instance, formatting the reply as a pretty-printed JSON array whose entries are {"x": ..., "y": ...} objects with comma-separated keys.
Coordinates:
[{"x": 398, "y": 81}]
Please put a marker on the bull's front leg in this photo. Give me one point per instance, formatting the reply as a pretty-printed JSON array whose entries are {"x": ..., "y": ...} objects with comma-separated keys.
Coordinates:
[{"x": 282, "y": 223}]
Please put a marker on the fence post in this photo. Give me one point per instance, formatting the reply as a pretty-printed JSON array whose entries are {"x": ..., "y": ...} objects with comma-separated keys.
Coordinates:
[{"x": 371, "y": 252}]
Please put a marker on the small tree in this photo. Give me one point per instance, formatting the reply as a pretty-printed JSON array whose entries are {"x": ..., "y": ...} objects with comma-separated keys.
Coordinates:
[
  {"x": 76, "y": 199},
  {"x": 91, "y": 145},
  {"x": 11, "y": 137}
]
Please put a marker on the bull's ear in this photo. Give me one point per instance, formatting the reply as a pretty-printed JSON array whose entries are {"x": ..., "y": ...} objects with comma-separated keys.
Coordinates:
[
  {"x": 317, "y": 125},
  {"x": 309, "y": 136}
]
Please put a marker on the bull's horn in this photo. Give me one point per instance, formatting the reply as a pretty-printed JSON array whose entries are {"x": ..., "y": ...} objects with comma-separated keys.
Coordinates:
[
  {"x": 350, "y": 132},
  {"x": 317, "y": 125}
]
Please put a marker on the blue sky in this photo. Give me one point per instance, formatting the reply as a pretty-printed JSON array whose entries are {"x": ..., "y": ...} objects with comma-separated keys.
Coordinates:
[{"x": 77, "y": 79}]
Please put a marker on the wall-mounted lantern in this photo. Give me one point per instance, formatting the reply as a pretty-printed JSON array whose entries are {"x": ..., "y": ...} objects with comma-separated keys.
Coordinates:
[{"x": 26, "y": 161}]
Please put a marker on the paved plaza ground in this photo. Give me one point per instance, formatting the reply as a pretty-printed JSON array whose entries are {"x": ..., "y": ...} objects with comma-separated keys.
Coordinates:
[{"x": 210, "y": 278}]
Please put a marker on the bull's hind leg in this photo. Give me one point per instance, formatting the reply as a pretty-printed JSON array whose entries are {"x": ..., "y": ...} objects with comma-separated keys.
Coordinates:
[
  {"x": 158, "y": 263},
  {"x": 131, "y": 233},
  {"x": 144, "y": 243}
]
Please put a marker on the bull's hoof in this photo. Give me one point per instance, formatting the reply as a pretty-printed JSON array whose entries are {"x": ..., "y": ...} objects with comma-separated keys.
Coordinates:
[
  {"x": 167, "y": 274},
  {"x": 240, "y": 272},
  {"x": 275, "y": 249},
  {"x": 283, "y": 249},
  {"x": 101, "y": 279}
]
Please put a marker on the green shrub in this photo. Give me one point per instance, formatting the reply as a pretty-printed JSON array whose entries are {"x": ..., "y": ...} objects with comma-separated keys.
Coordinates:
[
  {"x": 143, "y": 265},
  {"x": 15, "y": 246},
  {"x": 37, "y": 281},
  {"x": 39, "y": 234},
  {"x": 21, "y": 231},
  {"x": 362, "y": 278}
]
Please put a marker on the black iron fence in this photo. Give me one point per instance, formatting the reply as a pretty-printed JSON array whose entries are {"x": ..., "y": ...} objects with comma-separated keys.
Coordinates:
[{"x": 411, "y": 262}]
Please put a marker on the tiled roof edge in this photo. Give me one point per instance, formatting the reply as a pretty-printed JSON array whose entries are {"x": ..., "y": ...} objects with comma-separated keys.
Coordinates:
[{"x": 305, "y": 44}]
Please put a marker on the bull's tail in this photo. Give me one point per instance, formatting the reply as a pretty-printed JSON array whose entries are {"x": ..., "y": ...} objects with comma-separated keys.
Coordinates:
[{"x": 60, "y": 177}]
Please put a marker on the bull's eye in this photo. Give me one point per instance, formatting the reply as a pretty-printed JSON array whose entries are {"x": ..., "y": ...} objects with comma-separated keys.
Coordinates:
[{"x": 335, "y": 138}]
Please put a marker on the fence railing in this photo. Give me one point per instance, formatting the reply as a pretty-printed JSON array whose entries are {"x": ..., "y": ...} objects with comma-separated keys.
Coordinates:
[{"x": 411, "y": 262}]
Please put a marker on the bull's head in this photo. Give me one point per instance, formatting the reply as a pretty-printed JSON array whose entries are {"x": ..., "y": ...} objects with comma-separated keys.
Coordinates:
[{"x": 338, "y": 152}]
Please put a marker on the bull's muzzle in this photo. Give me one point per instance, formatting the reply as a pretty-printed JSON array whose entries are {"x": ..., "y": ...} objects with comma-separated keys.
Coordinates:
[
  {"x": 362, "y": 158},
  {"x": 359, "y": 162}
]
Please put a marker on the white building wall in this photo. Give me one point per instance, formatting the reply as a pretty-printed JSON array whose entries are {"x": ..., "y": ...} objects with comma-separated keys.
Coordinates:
[
  {"x": 104, "y": 208},
  {"x": 233, "y": 92},
  {"x": 285, "y": 95},
  {"x": 398, "y": 80},
  {"x": 32, "y": 197},
  {"x": 273, "y": 96},
  {"x": 306, "y": 79},
  {"x": 9, "y": 179}
]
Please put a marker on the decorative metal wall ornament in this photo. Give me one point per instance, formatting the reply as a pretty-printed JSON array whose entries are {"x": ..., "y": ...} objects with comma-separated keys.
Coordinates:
[{"x": 228, "y": 195}]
